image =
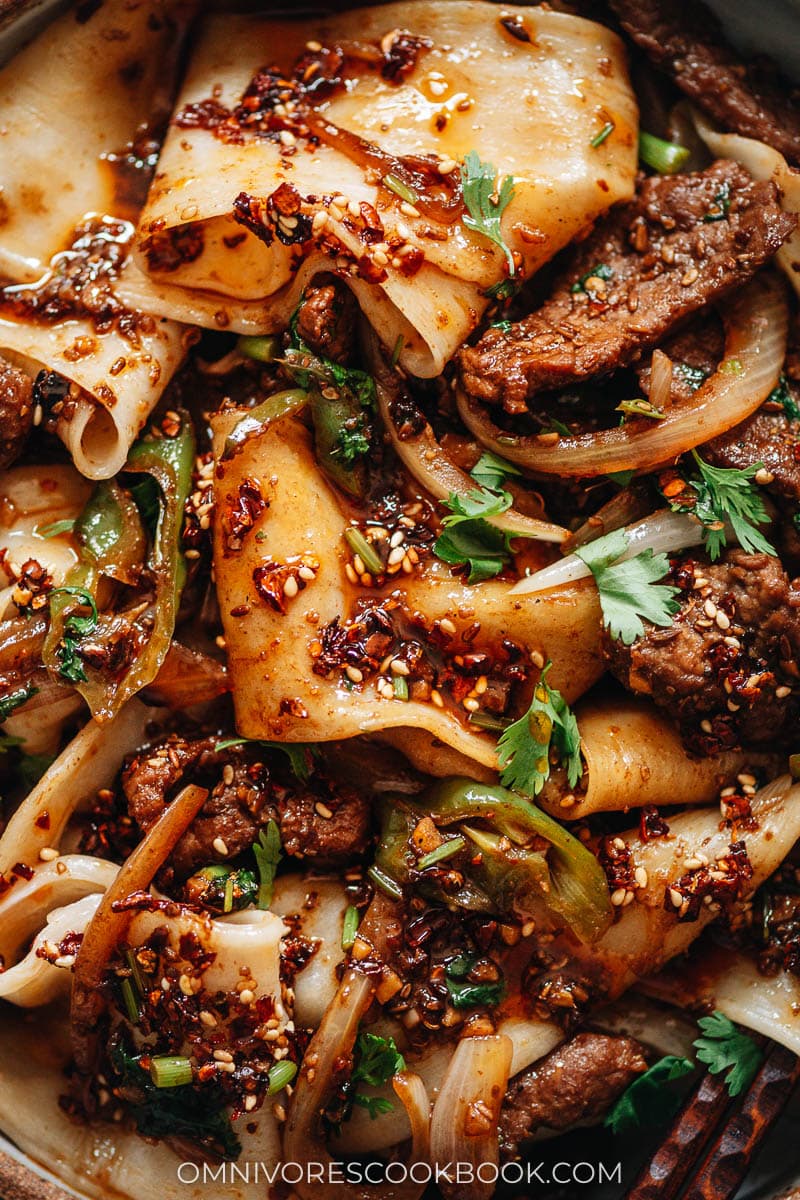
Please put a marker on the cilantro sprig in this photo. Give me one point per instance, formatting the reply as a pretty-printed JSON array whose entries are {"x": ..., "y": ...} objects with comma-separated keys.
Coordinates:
[
  {"x": 466, "y": 994},
  {"x": 491, "y": 471},
  {"x": 723, "y": 1047},
  {"x": 267, "y": 851},
  {"x": 377, "y": 1059},
  {"x": 75, "y": 629},
  {"x": 629, "y": 589},
  {"x": 296, "y": 752},
  {"x": 468, "y": 538},
  {"x": 485, "y": 202},
  {"x": 650, "y": 1100},
  {"x": 524, "y": 749},
  {"x": 727, "y": 495}
]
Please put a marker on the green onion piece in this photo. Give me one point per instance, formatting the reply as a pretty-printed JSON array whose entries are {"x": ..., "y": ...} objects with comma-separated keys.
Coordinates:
[
  {"x": 281, "y": 404},
  {"x": 487, "y": 720},
  {"x": 399, "y": 188},
  {"x": 350, "y": 926},
  {"x": 364, "y": 549},
  {"x": 398, "y": 349},
  {"x": 641, "y": 408},
  {"x": 280, "y": 1074},
  {"x": 794, "y": 765},
  {"x": 170, "y": 1071},
  {"x": 227, "y": 903},
  {"x": 57, "y": 527},
  {"x": 446, "y": 850},
  {"x": 731, "y": 366},
  {"x": 262, "y": 349},
  {"x": 385, "y": 883},
  {"x": 130, "y": 1000},
  {"x": 661, "y": 156},
  {"x": 400, "y": 687},
  {"x": 136, "y": 974},
  {"x": 604, "y": 133}
]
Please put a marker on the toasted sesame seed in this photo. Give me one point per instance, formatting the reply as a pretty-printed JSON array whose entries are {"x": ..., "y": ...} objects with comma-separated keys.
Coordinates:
[
  {"x": 350, "y": 573},
  {"x": 782, "y": 692},
  {"x": 676, "y": 898},
  {"x": 398, "y": 667},
  {"x": 705, "y": 726},
  {"x": 640, "y": 875},
  {"x": 397, "y": 538},
  {"x": 618, "y": 897},
  {"x": 471, "y": 705},
  {"x": 408, "y": 210},
  {"x": 306, "y": 574},
  {"x": 689, "y": 278},
  {"x": 447, "y": 626},
  {"x": 320, "y": 221},
  {"x": 396, "y": 556},
  {"x": 353, "y": 674},
  {"x": 227, "y": 774},
  {"x": 710, "y": 609},
  {"x": 220, "y": 845},
  {"x": 65, "y": 960},
  {"x": 223, "y": 1056},
  {"x": 287, "y": 139},
  {"x": 48, "y": 853},
  {"x": 207, "y": 1018},
  {"x": 722, "y": 619},
  {"x": 763, "y": 476},
  {"x": 446, "y": 166},
  {"x": 436, "y": 698},
  {"x": 353, "y": 208},
  {"x": 185, "y": 984},
  {"x": 323, "y": 810}
]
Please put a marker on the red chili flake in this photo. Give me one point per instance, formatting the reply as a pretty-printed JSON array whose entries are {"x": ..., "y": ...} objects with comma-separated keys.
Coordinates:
[
  {"x": 722, "y": 882},
  {"x": 616, "y": 860},
  {"x": 651, "y": 824},
  {"x": 242, "y": 514},
  {"x": 167, "y": 250},
  {"x": 515, "y": 26},
  {"x": 401, "y": 50},
  {"x": 43, "y": 820},
  {"x": 22, "y": 871}
]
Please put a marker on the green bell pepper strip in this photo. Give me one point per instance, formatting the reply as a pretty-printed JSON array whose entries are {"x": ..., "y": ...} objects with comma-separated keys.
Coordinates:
[
  {"x": 109, "y": 533},
  {"x": 281, "y": 404},
  {"x": 567, "y": 877}
]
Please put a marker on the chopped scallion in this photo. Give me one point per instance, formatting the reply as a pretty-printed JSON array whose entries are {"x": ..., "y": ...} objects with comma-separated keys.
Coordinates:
[
  {"x": 664, "y": 157},
  {"x": 350, "y": 927},
  {"x": 57, "y": 527},
  {"x": 446, "y": 850},
  {"x": 280, "y": 1074},
  {"x": 487, "y": 720},
  {"x": 399, "y": 188},
  {"x": 400, "y": 687},
  {"x": 130, "y": 1000},
  {"x": 398, "y": 349},
  {"x": 364, "y": 549},
  {"x": 604, "y": 133},
  {"x": 168, "y": 1071},
  {"x": 262, "y": 349},
  {"x": 385, "y": 883}
]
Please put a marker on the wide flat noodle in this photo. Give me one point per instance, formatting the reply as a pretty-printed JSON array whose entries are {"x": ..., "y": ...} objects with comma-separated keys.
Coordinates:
[
  {"x": 276, "y": 692},
  {"x": 633, "y": 757},
  {"x": 50, "y": 113},
  {"x": 532, "y": 108}
]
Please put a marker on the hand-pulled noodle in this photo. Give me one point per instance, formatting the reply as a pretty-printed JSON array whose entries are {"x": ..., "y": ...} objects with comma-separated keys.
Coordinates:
[{"x": 527, "y": 105}]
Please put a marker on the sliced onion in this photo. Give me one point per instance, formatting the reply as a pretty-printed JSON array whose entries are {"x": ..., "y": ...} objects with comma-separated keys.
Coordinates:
[
  {"x": 467, "y": 1111},
  {"x": 107, "y": 927},
  {"x": 426, "y": 461},
  {"x": 756, "y": 325},
  {"x": 661, "y": 531},
  {"x": 333, "y": 1041},
  {"x": 187, "y": 677},
  {"x": 660, "y": 393}
]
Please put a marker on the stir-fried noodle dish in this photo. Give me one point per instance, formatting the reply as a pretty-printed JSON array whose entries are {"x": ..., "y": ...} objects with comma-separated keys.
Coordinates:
[{"x": 400, "y": 568}]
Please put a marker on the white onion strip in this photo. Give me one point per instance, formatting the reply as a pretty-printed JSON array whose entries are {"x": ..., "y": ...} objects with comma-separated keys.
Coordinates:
[
  {"x": 426, "y": 461},
  {"x": 466, "y": 1115},
  {"x": 661, "y": 531},
  {"x": 756, "y": 326}
]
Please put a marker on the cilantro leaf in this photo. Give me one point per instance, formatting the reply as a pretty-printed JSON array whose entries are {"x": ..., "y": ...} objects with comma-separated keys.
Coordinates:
[
  {"x": 478, "y": 502},
  {"x": 377, "y": 1059},
  {"x": 491, "y": 471},
  {"x": 782, "y": 395},
  {"x": 297, "y": 753},
  {"x": 725, "y": 1048},
  {"x": 13, "y": 700},
  {"x": 524, "y": 749},
  {"x": 485, "y": 203},
  {"x": 267, "y": 851},
  {"x": 352, "y": 443},
  {"x": 74, "y": 630},
  {"x": 629, "y": 589},
  {"x": 721, "y": 495},
  {"x": 465, "y": 994},
  {"x": 598, "y": 271},
  {"x": 649, "y": 1101}
]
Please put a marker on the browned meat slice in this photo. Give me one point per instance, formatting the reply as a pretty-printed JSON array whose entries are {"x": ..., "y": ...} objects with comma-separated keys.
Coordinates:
[
  {"x": 578, "y": 1081},
  {"x": 319, "y": 821},
  {"x": 684, "y": 241},
  {"x": 16, "y": 412},
  {"x": 769, "y": 437},
  {"x": 685, "y": 40},
  {"x": 727, "y": 667},
  {"x": 326, "y": 320}
]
